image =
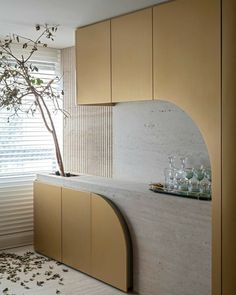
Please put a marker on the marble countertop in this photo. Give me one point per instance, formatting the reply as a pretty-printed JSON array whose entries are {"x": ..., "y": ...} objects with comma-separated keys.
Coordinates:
[
  {"x": 100, "y": 185},
  {"x": 171, "y": 236}
]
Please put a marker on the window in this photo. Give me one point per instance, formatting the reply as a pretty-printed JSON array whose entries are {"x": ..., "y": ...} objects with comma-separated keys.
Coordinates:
[{"x": 26, "y": 147}]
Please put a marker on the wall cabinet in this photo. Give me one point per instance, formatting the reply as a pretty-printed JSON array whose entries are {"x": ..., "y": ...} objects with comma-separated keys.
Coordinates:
[
  {"x": 93, "y": 64},
  {"x": 164, "y": 52},
  {"x": 114, "y": 64},
  {"x": 83, "y": 230},
  {"x": 131, "y": 39},
  {"x": 186, "y": 51}
]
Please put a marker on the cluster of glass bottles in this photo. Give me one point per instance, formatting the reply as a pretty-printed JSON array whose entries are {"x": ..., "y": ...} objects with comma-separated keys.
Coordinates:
[{"x": 187, "y": 180}]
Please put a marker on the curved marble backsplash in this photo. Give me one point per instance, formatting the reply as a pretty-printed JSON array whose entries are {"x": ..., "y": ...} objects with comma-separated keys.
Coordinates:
[{"x": 146, "y": 133}]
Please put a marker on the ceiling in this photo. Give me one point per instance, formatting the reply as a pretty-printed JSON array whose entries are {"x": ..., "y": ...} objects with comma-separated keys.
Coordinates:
[{"x": 20, "y": 17}]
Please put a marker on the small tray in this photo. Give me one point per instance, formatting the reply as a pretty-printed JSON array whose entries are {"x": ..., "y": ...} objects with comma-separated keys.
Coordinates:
[{"x": 183, "y": 194}]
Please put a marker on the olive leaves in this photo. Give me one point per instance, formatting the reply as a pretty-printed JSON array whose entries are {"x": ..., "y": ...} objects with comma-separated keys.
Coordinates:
[{"x": 29, "y": 270}]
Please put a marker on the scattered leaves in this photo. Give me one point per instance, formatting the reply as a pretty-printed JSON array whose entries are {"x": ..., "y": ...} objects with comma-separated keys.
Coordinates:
[{"x": 30, "y": 264}]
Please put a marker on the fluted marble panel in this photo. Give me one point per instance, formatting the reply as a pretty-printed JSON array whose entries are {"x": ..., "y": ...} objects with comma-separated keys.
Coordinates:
[{"x": 87, "y": 144}]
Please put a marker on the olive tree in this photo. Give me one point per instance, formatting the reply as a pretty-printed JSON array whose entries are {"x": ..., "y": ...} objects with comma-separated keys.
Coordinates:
[{"x": 19, "y": 79}]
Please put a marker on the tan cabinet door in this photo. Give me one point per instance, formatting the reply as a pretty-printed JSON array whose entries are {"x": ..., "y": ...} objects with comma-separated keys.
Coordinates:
[
  {"x": 76, "y": 229},
  {"x": 187, "y": 72},
  {"x": 110, "y": 247},
  {"x": 187, "y": 52},
  {"x": 47, "y": 220},
  {"x": 93, "y": 64},
  {"x": 131, "y": 37}
]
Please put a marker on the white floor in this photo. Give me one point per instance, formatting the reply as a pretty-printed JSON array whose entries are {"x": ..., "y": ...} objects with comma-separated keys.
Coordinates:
[{"x": 75, "y": 283}]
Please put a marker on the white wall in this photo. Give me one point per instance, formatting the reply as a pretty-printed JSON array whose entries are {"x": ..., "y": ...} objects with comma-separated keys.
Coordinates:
[{"x": 146, "y": 133}]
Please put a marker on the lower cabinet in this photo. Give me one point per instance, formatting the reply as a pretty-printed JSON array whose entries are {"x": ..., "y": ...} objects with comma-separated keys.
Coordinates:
[
  {"x": 76, "y": 229},
  {"x": 47, "y": 220},
  {"x": 83, "y": 230},
  {"x": 109, "y": 248}
]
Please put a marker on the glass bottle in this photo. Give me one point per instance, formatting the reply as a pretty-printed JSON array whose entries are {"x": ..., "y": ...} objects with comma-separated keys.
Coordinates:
[
  {"x": 181, "y": 181},
  {"x": 170, "y": 174}
]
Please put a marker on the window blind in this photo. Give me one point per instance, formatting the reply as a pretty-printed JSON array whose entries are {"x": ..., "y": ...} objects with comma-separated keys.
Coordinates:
[{"x": 26, "y": 147}]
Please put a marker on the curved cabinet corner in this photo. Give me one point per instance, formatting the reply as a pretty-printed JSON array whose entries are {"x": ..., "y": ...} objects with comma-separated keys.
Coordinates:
[
  {"x": 85, "y": 231},
  {"x": 111, "y": 258}
]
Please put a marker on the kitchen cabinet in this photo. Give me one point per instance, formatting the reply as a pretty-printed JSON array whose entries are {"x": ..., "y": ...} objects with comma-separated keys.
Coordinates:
[
  {"x": 93, "y": 63},
  {"x": 187, "y": 71},
  {"x": 194, "y": 58},
  {"x": 186, "y": 52},
  {"x": 76, "y": 224},
  {"x": 47, "y": 220},
  {"x": 131, "y": 39},
  {"x": 108, "y": 245},
  {"x": 83, "y": 230},
  {"x": 152, "y": 219}
]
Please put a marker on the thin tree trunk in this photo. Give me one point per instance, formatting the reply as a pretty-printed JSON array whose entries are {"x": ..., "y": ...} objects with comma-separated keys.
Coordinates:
[{"x": 52, "y": 130}]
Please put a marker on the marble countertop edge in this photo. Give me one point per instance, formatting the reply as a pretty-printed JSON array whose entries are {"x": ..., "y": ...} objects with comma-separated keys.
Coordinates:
[{"x": 98, "y": 184}]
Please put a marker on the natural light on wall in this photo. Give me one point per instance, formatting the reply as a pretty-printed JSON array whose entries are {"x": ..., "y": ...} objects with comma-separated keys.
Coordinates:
[{"x": 26, "y": 147}]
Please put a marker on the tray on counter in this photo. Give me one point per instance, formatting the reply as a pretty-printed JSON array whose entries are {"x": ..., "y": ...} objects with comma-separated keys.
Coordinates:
[{"x": 183, "y": 194}]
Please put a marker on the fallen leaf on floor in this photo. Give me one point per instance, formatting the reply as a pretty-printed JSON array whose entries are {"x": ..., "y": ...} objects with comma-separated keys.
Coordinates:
[{"x": 27, "y": 268}]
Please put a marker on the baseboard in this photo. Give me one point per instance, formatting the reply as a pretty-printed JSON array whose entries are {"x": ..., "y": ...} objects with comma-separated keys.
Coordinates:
[{"x": 16, "y": 240}]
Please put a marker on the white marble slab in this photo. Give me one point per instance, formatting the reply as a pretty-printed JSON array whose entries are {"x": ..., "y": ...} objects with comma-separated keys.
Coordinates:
[
  {"x": 171, "y": 236},
  {"x": 145, "y": 133}
]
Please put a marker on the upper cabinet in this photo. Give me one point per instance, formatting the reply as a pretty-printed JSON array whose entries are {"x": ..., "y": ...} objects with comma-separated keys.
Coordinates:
[
  {"x": 170, "y": 52},
  {"x": 186, "y": 52},
  {"x": 93, "y": 68},
  {"x": 131, "y": 39}
]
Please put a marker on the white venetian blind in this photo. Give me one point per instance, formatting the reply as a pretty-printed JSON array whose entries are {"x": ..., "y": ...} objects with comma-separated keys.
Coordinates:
[{"x": 26, "y": 147}]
